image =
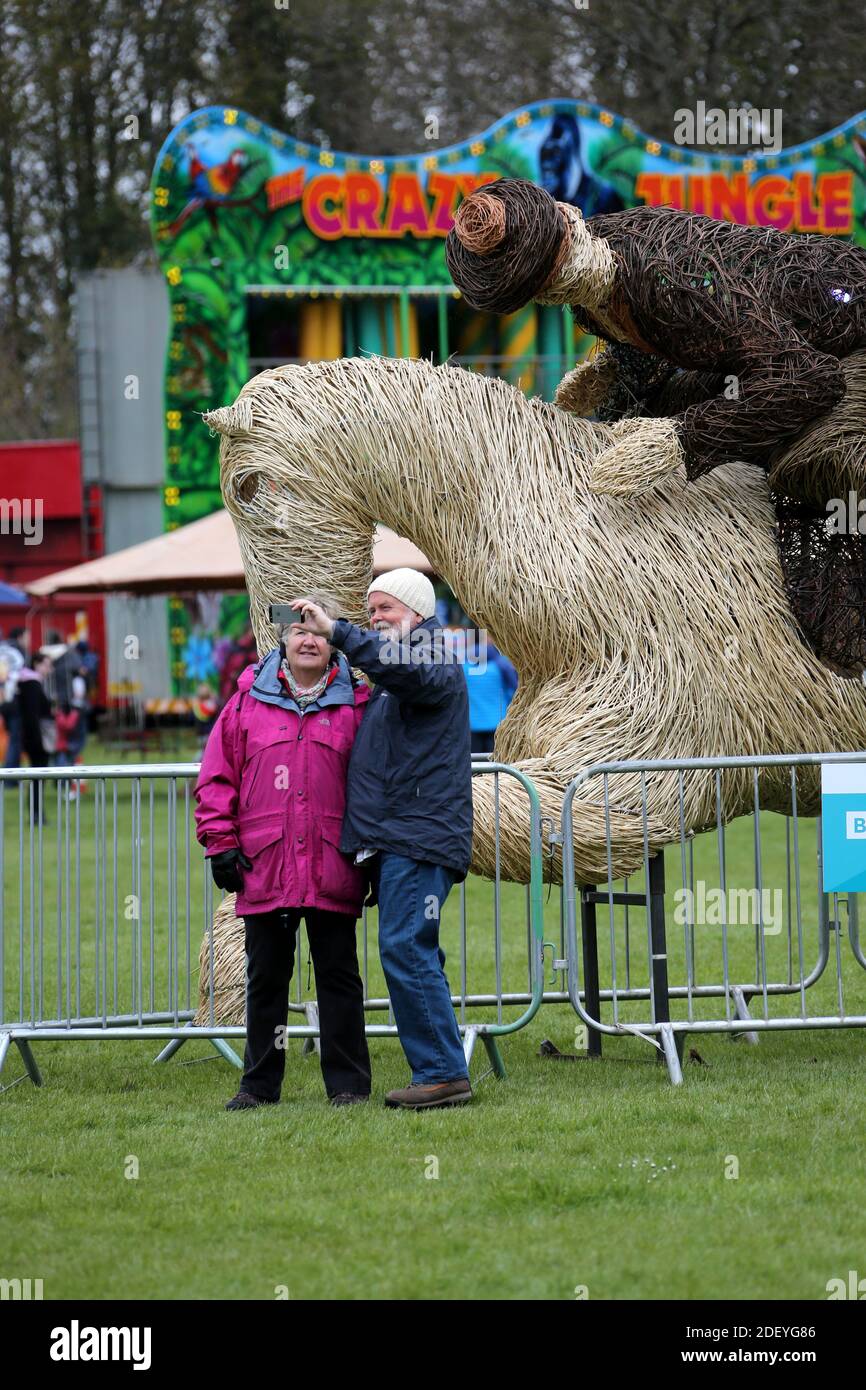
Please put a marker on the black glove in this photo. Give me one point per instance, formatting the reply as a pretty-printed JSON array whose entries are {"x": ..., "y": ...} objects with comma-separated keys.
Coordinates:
[
  {"x": 226, "y": 869},
  {"x": 370, "y": 869}
]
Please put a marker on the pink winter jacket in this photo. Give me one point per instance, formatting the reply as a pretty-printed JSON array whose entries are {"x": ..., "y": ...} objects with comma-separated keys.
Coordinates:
[{"x": 273, "y": 782}]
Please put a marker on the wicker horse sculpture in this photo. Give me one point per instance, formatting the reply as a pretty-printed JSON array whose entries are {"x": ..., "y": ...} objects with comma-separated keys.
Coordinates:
[{"x": 650, "y": 629}]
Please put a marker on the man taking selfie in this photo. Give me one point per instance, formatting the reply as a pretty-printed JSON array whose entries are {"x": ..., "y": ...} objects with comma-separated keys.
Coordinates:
[{"x": 409, "y": 811}]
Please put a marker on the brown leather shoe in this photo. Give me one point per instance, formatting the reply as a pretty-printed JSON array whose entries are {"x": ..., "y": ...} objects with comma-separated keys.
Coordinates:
[{"x": 417, "y": 1096}]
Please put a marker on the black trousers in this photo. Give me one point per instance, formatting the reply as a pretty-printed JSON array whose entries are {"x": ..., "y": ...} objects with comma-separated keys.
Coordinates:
[
  {"x": 270, "y": 946},
  {"x": 37, "y": 757}
]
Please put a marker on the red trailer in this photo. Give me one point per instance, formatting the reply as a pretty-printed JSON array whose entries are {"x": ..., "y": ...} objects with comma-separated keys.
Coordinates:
[{"x": 49, "y": 520}]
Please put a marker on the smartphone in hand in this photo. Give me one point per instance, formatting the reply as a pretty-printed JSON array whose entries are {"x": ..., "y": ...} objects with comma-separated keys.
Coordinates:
[{"x": 284, "y": 613}]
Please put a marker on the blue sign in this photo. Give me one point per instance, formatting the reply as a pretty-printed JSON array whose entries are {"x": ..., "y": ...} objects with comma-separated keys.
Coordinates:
[{"x": 843, "y": 826}]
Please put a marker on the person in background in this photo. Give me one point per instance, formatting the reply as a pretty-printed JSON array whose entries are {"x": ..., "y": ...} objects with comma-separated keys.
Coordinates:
[
  {"x": 271, "y": 795},
  {"x": 64, "y": 666},
  {"x": 74, "y": 674},
  {"x": 79, "y": 702},
  {"x": 66, "y": 720},
  {"x": 34, "y": 709},
  {"x": 491, "y": 682},
  {"x": 443, "y": 612},
  {"x": 13, "y": 657},
  {"x": 409, "y": 812},
  {"x": 87, "y": 663}
]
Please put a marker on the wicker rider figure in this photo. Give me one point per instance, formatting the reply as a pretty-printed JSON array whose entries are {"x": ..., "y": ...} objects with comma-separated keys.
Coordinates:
[
  {"x": 726, "y": 342},
  {"x": 765, "y": 315}
]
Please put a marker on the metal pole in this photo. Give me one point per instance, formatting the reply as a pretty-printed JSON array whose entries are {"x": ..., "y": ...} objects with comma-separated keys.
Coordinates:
[
  {"x": 591, "y": 996},
  {"x": 405, "y": 350},
  {"x": 442, "y": 321},
  {"x": 656, "y": 909}
]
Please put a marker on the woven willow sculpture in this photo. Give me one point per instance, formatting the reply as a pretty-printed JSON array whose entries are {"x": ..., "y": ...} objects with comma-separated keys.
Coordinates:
[
  {"x": 771, "y": 311},
  {"x": 616, "y": 615},
  {"x": 653, "y": 630},
  {"x": 225, "y": 946},
  {"x": 824, "y": 564}
]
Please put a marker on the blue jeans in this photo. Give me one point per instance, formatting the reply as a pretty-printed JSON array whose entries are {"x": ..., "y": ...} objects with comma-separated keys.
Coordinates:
[
  {"x": 15, "y": 730},
  {"x": 411, "y": 895}
]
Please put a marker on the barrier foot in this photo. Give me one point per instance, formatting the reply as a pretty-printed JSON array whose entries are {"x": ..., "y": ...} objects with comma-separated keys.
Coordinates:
[
  {"x": 494, "y": 1056},
  {"x": 169, "y": 1050},
  {"x": 311, "y": 1012},
  {"x": 742, "y": 1008},
  {"x": 679, "y": 1043},
  {"x": 470, "y": 1038},
  {"x": 29, "y": 1061},
  {"x": 222, "y": 1047},
  {"x": 5, "y": 1043},
  {"x": 672, "y": 1054},
  {"x": 225, "y": 1050}
]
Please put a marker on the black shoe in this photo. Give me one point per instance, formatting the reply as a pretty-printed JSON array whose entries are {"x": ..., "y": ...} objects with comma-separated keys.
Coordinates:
[
  {"x": 244, "y": 1100},
  {"x": 348, "y": 1098}
]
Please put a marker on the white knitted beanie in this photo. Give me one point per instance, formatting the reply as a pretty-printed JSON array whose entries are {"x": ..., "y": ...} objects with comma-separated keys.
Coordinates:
[{"x": 410, "y": 586}]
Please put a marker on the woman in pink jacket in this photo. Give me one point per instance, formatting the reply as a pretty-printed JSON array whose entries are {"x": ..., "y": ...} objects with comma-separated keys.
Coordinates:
[{"x": 271, "y": 795}]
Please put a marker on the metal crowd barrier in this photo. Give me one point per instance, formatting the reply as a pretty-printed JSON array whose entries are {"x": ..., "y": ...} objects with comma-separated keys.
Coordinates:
[
  {"x": 105, "y": 898},
  {"x": 691, "y": 930}
]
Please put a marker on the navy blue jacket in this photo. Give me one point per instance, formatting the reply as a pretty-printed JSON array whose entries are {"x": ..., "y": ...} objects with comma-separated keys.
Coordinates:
[{"x": 409, "y": 787}]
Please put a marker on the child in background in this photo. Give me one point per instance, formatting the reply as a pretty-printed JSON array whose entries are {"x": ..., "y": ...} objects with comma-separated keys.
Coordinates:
[{"x": 66, "y": 720}]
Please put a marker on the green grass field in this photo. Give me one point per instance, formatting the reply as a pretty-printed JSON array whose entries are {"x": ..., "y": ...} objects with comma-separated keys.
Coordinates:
[{"x": 564, "y": 1175}]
